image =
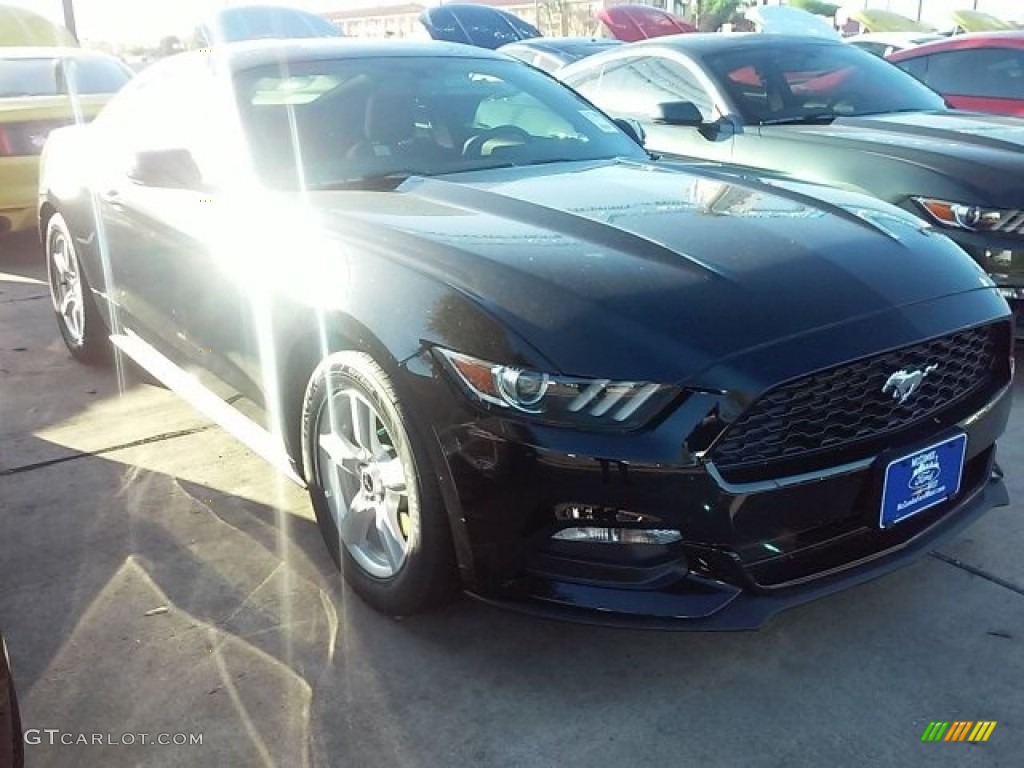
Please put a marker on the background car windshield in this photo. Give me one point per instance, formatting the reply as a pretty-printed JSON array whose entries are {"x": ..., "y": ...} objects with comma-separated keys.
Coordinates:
[
  {"x": 45, "y": 76},
  {"x": 255, "y": 22},
  {"x": 321, "y": 123},
  {"x": 776, "y": 82},
  {"x": 584, "y": 48}
]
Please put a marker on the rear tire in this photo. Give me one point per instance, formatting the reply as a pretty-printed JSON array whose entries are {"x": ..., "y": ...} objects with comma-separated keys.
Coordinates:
[
  {"x": 377, "y": 503},
  {"x": 78, "y": 318}
]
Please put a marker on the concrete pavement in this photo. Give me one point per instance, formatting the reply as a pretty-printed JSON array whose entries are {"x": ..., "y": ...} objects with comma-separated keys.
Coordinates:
[{"x": 158, "y": 578}]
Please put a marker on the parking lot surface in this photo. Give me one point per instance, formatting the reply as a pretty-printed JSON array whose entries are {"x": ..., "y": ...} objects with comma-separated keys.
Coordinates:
[{"x": 160, "y": 583}]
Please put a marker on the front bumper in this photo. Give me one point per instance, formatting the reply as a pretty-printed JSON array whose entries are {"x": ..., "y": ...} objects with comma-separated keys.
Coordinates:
[
  {"x": 703, "y": 604},
  {"x": 747, "y": 550}
]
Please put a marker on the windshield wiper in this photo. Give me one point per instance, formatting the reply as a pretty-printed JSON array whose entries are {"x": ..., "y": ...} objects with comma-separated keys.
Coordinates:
[
  {"x": 388, "y": 180},
  {"x": 530, "y": 163},
  {"x": 809, "y": 118},
  {"x": 885, "y": 112}
]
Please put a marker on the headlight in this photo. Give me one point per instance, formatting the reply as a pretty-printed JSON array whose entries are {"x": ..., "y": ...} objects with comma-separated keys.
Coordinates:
[
  {"x": 974, "y": 218},
  {"x": 559, "y": 399}
]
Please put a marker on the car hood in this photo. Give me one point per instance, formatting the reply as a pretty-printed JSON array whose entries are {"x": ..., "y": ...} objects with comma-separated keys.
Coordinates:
[
  {"x": 958, "y": 144},
  {"x": 653, "y": 266}
]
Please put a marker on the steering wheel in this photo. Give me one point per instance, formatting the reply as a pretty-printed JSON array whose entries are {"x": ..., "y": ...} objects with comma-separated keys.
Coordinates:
[{"x": 485, "y": 142}]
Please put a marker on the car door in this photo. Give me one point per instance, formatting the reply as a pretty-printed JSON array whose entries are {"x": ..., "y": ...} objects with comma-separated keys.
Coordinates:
[
  {"x": 136, "y": 239},
  {"x": 210, "y": 251},
  {"x": 633, "y": 86},
  {"x": 167, "y": 217}
]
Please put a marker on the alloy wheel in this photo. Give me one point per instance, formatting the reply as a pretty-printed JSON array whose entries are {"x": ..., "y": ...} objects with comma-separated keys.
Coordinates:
[
  {"x": 363, "y": 476},
  {"x": 66, "y": 285}
]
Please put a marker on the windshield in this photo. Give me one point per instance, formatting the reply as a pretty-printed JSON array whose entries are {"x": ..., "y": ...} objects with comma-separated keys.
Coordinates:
[
  {"x": 45, "y": 76},
  {"x": 324, "y": 123},
  {"x": 776, "y": 83}
]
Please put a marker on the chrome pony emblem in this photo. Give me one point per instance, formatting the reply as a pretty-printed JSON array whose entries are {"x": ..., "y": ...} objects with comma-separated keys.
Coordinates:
[{"x": 904, "y": 383}]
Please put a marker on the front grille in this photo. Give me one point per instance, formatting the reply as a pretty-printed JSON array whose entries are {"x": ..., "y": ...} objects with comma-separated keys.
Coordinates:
[
  {"x": 842, "y": 407},
  {"x": 1012, "y": 222}
]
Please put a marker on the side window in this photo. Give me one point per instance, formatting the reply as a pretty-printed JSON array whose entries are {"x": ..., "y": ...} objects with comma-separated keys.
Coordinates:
[
  {"x": 177, "y": 109},
  {"x": 635, "y": 86},
  {"x": 917, "y": 67},
  {"x": 136, "y": 121},
  {"x": 988, "y": 72},
  {"x": 209, "y": 129}
]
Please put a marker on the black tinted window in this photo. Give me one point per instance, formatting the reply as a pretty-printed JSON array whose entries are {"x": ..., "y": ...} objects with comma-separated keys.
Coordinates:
[
  {"x": 990, "y": 72},
  {"x": 774, "y": 82},
  {"x": 50, "y": 76}
]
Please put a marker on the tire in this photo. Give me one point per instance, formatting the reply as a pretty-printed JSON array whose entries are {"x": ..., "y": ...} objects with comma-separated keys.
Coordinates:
[
  {"x": 378, "y": 505},
  {"x": 78, "y": 318},
  {"x": 12, "y": 744}
]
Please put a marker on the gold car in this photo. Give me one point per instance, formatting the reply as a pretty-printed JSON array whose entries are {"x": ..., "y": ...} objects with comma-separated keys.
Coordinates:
[{"x": 42, "y": 88}]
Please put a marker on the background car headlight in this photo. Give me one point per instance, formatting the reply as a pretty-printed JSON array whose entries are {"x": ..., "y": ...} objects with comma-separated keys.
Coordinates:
[
  {"x": 974, "y": 218},
  {"x": 559, "y": 399}
]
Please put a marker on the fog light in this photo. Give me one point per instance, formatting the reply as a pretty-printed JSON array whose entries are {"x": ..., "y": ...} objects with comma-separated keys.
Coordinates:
[
  {"x": 1011, "y": 293},
  {"x": 1000, "y": 257},
  {"x": 593, "y": 534},
  {"x": 590, "y": 513}
]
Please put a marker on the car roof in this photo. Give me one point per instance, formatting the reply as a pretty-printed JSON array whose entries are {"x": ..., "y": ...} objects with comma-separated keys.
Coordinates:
[
  {"x": 255, "y": 53},
  {"x": 1002, "y": 39},
  {"x": 50, "y": 52},
  {"x": 895, "y": 37},
  {"x": 557, "y": 43},
  {"x": 718, "y": 42}
]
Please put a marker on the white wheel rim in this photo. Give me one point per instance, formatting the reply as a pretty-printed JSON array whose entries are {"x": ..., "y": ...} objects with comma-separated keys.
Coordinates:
[{"x": 66, "y": 285}]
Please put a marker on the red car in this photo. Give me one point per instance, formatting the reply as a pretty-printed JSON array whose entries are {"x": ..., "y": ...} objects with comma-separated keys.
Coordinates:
[
  {"x": 632, "y": 22},
  {"x": 983, "y": 71}
]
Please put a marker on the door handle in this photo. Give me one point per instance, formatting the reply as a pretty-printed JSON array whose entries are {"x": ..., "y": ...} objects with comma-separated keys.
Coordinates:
[{"x": 112, "y": 197}]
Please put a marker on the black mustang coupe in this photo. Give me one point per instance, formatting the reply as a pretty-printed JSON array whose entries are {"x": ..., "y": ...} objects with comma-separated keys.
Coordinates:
[
  {"x": 504, "y": 349},
  {"x": 825, "y": 111}
]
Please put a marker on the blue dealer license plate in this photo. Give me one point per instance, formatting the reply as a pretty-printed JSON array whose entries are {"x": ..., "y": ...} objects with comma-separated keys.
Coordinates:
[{"x": 922, "y": 479}]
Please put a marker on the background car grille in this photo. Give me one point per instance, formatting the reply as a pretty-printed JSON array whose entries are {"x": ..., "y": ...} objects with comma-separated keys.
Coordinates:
[
  {"x": 1013, "y": 222},
  {"x": 843, "y": 406}
]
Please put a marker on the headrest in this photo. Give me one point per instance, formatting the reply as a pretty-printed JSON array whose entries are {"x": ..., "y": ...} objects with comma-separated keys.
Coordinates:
[{"x": 390, "y": 118}]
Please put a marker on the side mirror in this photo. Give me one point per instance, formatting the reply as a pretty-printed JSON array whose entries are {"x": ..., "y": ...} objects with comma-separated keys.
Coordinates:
[
  {"x": 174, "y": 168},
  {"x": 678, "y": 113},
  {"x": 632, "y": 128}
]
